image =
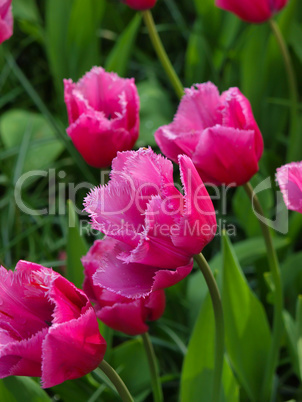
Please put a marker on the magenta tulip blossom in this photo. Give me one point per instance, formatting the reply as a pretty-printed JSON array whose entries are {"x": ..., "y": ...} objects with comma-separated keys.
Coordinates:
[
  {"x": 254, "y": 11},
  {"x": 103, "y": 113},
  {"x": 158, "y": 229},
  {"x": 218, "y": 132},
  {"x": 6, "y": 20},
  {"x": 48, "y": 327},
  {"x": 118, "y": 312},
  {"x": 289, "y": 178},
  {"x": 140, "y": 4}
]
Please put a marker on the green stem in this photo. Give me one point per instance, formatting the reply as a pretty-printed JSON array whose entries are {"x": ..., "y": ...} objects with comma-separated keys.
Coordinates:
[
  {"x": 161, "y": 53},
  {"x": 278, "y": 296},
  {"x": 156, "y": 384},
  {"x": 293, "y": 149},
  {"x": 116, "y": 381},
  {"x": 219, "y": 324}
]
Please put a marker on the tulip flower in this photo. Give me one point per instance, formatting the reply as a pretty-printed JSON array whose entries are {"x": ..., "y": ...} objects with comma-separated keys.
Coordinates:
[
  {"x": 103, "y": 113},
  {"x": 289, "y": 178},
  {"x": 121, "y": 313},
  {"x": 6, "y": 20},
  {"x": 254, "y": 11},
  {"x": 218, "y": 132},
  {"x": 48, "y": 327},
  {"x": 158, "y": 229},
  {"x": 140, "y": 4}
]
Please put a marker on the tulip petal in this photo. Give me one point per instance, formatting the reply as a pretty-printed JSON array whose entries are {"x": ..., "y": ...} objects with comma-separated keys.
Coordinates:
[
  {"x": 228, "y": 154},
  {"x": 71, "y": 350},
  {"x": 198, "y": 108},
  {"x": 155, "y": 305},
  {"x": 98, "y": 146},
  {"x": 23, "y": 299},
  {"x": 140, "y": 4},
  {"x": 113, "y": 211},
  {"x": 198, "y": 223},
  {"x": 22, "y": 357},
  {"x": 133, "y": 279},
  {"x": 6, "y": 20},
  {"x": 237, "y": 113},
  {"x": 255, "y": 11},
  {"x": 173, "y": 142},
  {"x": 69, "y": 301},
  {"x": 124, "y": 317},
  {"x": 289, "y": 178}
]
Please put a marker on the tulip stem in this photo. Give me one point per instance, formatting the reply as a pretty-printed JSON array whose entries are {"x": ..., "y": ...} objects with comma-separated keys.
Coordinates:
[
  {"x": 219, "y": 324},
  {"x": 156, "y": 384},
  {"x": 293, "y": 148},
  {"x": 161, "y": 53},
  {"x": 116, "y": 381},
  {"x": 277, "y": 330}
]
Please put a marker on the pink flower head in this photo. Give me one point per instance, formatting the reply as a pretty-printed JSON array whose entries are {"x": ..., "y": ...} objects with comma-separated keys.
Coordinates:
[
  {"x": 140, "y": 4},
  {"x": 6, "y": 20},
  {"x": 121, "y": 313},
  {"x": 218, "y": 132},
  {"x": 254, "y": 11},
  {"x": 103, "y": 113},
  {"x": 48, "y": 327},
  {"x": 289, "y": 178},
  {"x": 158, "y": 228}
]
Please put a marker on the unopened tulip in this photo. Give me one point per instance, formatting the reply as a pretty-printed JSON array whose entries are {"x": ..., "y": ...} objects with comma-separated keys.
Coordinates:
[
  {"x": 140, "y": 4},
  {"x": 254, "y": 11},
  {"x": 103, "y": 113},
  {"x": 48, "y": 327},
  {"x": 218, "y": 132}
]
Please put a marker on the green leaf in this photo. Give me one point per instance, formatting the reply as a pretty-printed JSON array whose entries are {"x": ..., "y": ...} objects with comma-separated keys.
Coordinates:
[
  {"x": 118, "y": 58},
  {"x": 71, "y": 37},
  {"x": 293, "y": 329},
  {"x": 198, "y": 55},
  {"x": 82, "y": 40},
  {"x": 26, "y": 10},
  {"x": 24, "y": 389},
  {"x": 155, "y": 111},
  {"x": 248, "y": 252},
  {"x": 77, "y": 390},
  {"x": 130, "y": 361},
  {"x": 5, "y": 394},
  {"x": 198, "y": 367},
  {"x": 44, "y": 146},
  {"x": 291, "y": 274},
  {"x": 248, "y": 336},
  {"x": 291, "y": 340},
  {"x": 76, "y": 248}
]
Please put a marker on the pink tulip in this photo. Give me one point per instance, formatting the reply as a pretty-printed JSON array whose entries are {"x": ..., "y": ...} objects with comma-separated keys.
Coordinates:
[
  {"x": 254, "y": 11},
  {"x": 218, "y": 132},
  {"x": 158, "y": 228},
  {"x": 289, "y": 178},
  {"x": 118, "y": 312},
  {"x": 48, "y": 327},
  {"x": 6, "y": 20},
  {"x": 103, "y": 113},
  {"x": 140, "y": 4}
]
